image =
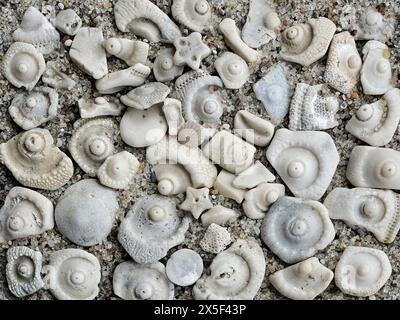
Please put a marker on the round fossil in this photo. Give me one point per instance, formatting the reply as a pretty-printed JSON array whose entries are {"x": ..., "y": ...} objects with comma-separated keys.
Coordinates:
[
  {"x": 194, "y": 14},
  {"x": 215, "y": 239},
  {"x": 184, "y": 267},
  {"x": 232, "y": 69},
  {"x": 172, "y": 178},
  {"x": 146, "y": 96},
  {"x": 373, "y": 25},
  {"x": 68, "y": 22},
  {"x": 164, "y": 68}
]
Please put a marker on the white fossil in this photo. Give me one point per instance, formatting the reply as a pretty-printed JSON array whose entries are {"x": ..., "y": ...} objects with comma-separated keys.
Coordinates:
[
  {"x": 118, "y": 170},
  {"x": 31, "y": 109},
  {"x": 232, "y": 69},
  {"x": 35, "y": 161},
  {"x": 308, "y": 42},
  {"x": 23, "y": 65},
  {"x": 305, "y": 160},
  {"x": 372, "y": 167},
  {"x": 295, "y": 229},
  {"x": 38, "y": 31},
  {"x": 313, "y": 108},
  {"x": 25, "y": 213},
  {"x": 344, "y": 63},
  {"x": 202, "y": 172},
  {"x": 152, "y": 227},
  {"x": 219, "y": 215},
  {"x": 215, "y": 239},
  {"x": 100, "y": 106},
  {"x": 253, "y": 176},
  {"x": 164, "y": 68},
  {"x": 133, "y": 281},
  {"x": 193, "y": 14},
  {"x": 193, "y": 134},
  {"x": 72, "y": 274},
  {"x": 302, "y": 281},
  {"x": 184, "y": 267},
  {"x": 23, "y": 271},
  {"x": 172, "y": 179},
  {"x": 130, "y": 51},
  {"x": 146, "y": 20},
  {"x": 68, "y": 22},
  {"x": 373, "y": 25},
  {"x": 116, "y": 81},
  {"x": 224, "y": 186},
  {"x": 173, "y": 114},
  {"x": 376, "y": 123},
  {"x": 142, "y": 128},
  {"x": 190, "y": 51},
  {"x": 92, "y": 143},
  {"x": 230, "y": 152},
  {"x": 88, "y": 52},
  {"x": 233, "y": 40},
  {"x": 55, "y": 78},
  {"x": 378, "y": 211},
  {"x": 376, "y": 71},
  {"x": 362, "y": 271},
  {"x": 234, "y": 274},
  {"x": 196, "y": 201},
  {"x": 258, "y": 200},
  {"x": 86, "y": 211},
  {"x": 252, "y": 128},
  {"x": 146, "y": 96},
  {"x": 262, "y": 24},
  {"x": 274, "y": 92}
]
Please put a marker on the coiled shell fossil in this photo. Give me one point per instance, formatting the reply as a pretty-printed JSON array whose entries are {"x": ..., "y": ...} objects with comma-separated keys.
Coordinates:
[
  {"x": 305, "y": 160},
  {"x": 133, "y": 281},
  {"x": 173, "y": 114},
  {"x": 215, "y": 239},
  {"x": 184, "y": 267},
  {"x": 190, "y": 51},
  {"x": 219, "y": 215},
  {"x": 25, "y": 213},
  {"x": 172, "y": 178},
  {"x": 35, "y": 161},
  {"x": 23, "y": 271},
  {"x": 234, "y": 274},
  {"x": 253, "y": 176},
  {"x": 53, "y": 77},
  {"x": 85, "y": 212},
  {"x": 68, "y": 22},
  {"x": 196, "y": 201},
  {"x": 146, "y": 96},
  {"x": 295, "y": 229},
  {"x": 193, "y": 14},
  {"x": 100, "y": 106},
  {"x": 374, "y": 26},
  {"x": 193, "y": 134},
  {"x": 130, "y": 51},
  {"x": 224, "y": 186},
  {"x": 232, "y": 69},
  {"x": 164, "y": 68},
  {"x": 152, "y": 227},
  {"x": 72, "y": 274}
]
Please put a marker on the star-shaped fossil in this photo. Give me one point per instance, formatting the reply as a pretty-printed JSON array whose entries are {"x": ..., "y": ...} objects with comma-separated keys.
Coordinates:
[
  {"x": 190, "y": 50},
  {"x": 196, "y": 201}
]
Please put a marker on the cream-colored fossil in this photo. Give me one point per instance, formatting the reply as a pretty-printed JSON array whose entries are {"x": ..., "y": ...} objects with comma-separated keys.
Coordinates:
[
  {"x": 164, "y": 68},
  {"x": 184, "y": 267},
  {"x": 253, "y": 176},
  {"x": 196, "y": 202},
  {"x": 194, "y": 14},
  {"x": 224, "y": 186},
  {"x": 172, "y": 179},
  {"x": 373, "y": 25},
  {"x": 173, "y": 114},
  {"x": 219, "y": 215},
  {"x": 232, "y": 69},
  {"x": 68, "y": 22},
  {"x": 146, "y": 96},
  {"x": 130, "y": 51},
  {"x": 215, "y": 239},
  {"x": 100, "y": 106},
  {"x": 190, "y": 51}
]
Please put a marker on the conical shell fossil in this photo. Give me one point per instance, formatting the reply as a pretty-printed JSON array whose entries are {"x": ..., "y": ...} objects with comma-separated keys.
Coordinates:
[
  {"x": 173, "y": 114},
  {"x": 372, "y": 167},
  {"x": 378, "y": 211},
  {"x": 219, "y": 215},
  {"x": 224, "y": 186},
  {"x": 202, "y": 172},
  {"x": 257, "y": 200},
  {"x": 274, "y": 92},
  {"x": 196, "y": 201},
  {"x": 31, "y": 109},
  {"x": 100, "y": 106},
  {"x": 253, "y": 176},
  {"x": 215, "y": 239},
  {"x": 131, "y": 51},
  {"x": 23, "y": 65},
  {"x": 68, "y": 22},
  {"x": 362, "y": 271},
  {"x": 88, "y": 53},
  {"x": 305, "y": 160},
  {"x": 193, "y": 14},
  {"x": 344, "y": 63},
  {"x": 302, "y": 281},
  {"x": 262, "y": 24},
  {"x": 200, "y": 101},
  {"x": 172, "y": 179},
  {"x": 23, "y": 271},
  {"x": 376, "y": 71},
  {"x": 133, "y": 281},
  {"x": 73, "y": 274},
  {"x": 146, "y": 95},
  {"x": 38, "y": 31},
  {"x": 118, "y": 170},
  {"x": 184, "y": 267},
  {"x": 374, "y": 26},
  {"x": 35, "y": 161},
  {"x": 190, "y": 51},
  {"x": 377, "y": 122},
  {"x": 230, "y": 152},
  {"x": 92, "y": 143},
  {"x": 295, "y": 229},
  {"x": 232, "y": 69},
  {"x": 86, "y": 211},
  {"x": 25, "y": 213},
  {"x": 192, "y": 134},
  {"x": 313, "y": 108},
  {"x": 55, "y": 78},
  {"x": 142, "y": 128},
  {"x": 307, "y": 42},
  {"x": 252, "y": 128},
  {"x": 232, "y": 38},
  {"x": 146, "y": 20},
  {"x": 151, "y": 228},
  {"x": 234, "y": 274},
  {"x": 164, "y": 68}
]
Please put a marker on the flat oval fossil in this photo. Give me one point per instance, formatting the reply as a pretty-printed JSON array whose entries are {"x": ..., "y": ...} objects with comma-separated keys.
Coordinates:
[
  {"x": 164, "y": 68},
  {"x": 219, "y": 215},
  {"x": 184, "y": 267},
  {"x": 193, "y": 14},
  {"x": 146, "y": 96}
]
